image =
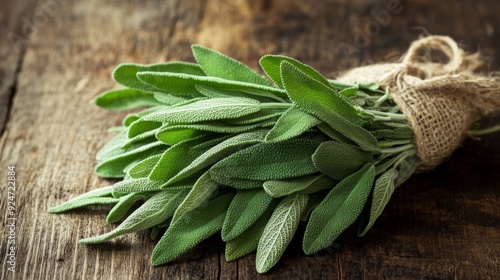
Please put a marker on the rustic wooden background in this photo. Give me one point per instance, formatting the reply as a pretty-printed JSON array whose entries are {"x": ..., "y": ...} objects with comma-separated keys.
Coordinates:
[{"x": 56, "y": 55}]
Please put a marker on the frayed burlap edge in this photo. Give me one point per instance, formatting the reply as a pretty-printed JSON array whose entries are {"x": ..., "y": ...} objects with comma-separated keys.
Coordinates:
[{"x": 440, "y": 100}]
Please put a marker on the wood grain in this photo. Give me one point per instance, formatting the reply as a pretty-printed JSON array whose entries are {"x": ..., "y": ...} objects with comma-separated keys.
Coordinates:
[{"x": 440, "y": 225}]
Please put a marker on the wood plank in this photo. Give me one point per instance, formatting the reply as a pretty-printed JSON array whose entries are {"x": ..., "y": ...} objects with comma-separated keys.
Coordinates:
[
  {"x": 441, "y": 225},
  {"x": 16, "y": 20}
]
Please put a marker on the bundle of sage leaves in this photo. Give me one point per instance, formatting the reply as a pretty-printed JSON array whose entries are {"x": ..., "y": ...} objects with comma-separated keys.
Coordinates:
[{"x": 221, "y": 148}]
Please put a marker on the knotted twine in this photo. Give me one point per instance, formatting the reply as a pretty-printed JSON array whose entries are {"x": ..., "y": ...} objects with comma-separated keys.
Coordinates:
[{"x": 440, "y": 99}]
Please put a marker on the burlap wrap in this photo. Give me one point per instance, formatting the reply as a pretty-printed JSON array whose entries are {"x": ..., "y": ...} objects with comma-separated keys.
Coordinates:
[{"x": 440, "y": 99}]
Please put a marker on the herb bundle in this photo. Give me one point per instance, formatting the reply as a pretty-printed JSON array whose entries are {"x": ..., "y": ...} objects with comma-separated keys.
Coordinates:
[{"x": 222, "y": 148}]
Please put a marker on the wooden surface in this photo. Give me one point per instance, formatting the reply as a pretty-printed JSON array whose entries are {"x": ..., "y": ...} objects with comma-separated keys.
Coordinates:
[{"x": 440, "y": 225}]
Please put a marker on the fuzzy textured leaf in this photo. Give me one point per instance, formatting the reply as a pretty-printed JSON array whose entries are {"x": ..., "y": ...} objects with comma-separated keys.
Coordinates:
[
  {"x": 324, "y": 103},
  {"x": 382, "y": 192},
  {"x": 219, "y": 65},
  {"x": 305, "y": 185},
  {"x": 154, "y": 211},
  {"x": 206, "y": 110},
  {"x": 338, "y": 210},
  {"x": 292, "y": 123},
  {"x": 279, "y": 231},
  {"x": 191, "y": 229},
  {"x": 125, "y": 99},
  {"x": 97, "y": 196},
  {"x": 247, "y": 206},
  {"x": 339, "y": 160},
  {"x": 269, "y": 161}
]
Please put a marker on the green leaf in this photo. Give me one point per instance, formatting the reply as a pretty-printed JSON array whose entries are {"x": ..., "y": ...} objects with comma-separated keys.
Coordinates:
[
  {"x": 137, "y": 185},
  {"x": 97, "y": 196},
  {"x": 257, "y": 94},
  {"x": 141, "y": 126},
  {"x": 219, "y": 65},
  {"x": 181, "y": 155},
  {"x": 248, "y": 241},
  {"x": 143, "y": 168},
  {"x": 123, "y": 206},
  {"x": 339, "y": 160},
  {"x": 271, "y": 65},
  {"x": 247, "y": 206},
  {"x": 324, "y": 103},
  {"x": 126, "y": 74},
  {"x": 338, "y": 210},
  {"x": 305, "y": 185},
  {"x": 199, "y": 194},
  {"x": 114, "y": 166},
  {"x": 184, "y": 85},
  {"x": 206, "y": 110},
  {"x": 279, "y": 231},
  {"x": 191, "y": 229},
  {"x": 313, "y": 202},
  {"x": 144, "y": 138},
  {"x": 239, "y": 184},
  {"x": 382, "y": 192},
  {"x": 217, "y": 153},
  {"x": 268, "y": 161},
  {"x": 125, "y": 99},
  {"x": 263, "y": 115},
  {"x": 292, "y": 123},
  {"x": 172, "y": 134},
  {"x": 154, "y": 211},
  {"x": 113, "y": 147},
  {"x": 208, "y": 126},
  {"x": 169, "y": 99}
]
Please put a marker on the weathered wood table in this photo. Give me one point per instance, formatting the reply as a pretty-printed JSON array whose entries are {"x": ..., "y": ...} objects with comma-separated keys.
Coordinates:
[{"x": 56, "y": 55}]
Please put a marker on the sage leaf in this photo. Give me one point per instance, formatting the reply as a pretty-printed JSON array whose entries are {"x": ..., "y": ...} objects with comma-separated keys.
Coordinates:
[
  {"x": 305, "y": 185},
  {"x": 206, "y": 110},
  {"x": 324, "y": 103},
  {"x": 239, "y": 184},
  {"x": 248, "y": 241},
  {"x": 141, "y": 126},
  {"x": 114, "y": 167},
  {"x": 247, "y": 206},
  {"x": 263, "y": 114},
  {"x": 191, "y": 229},
  {"x": 313, "y": 201},
  {"x": 123, "y": 206},
  {"x": 146, "y": 137},
  {"x": 136, "y": 185},
  {"x": 217, "y": 153},
  {"x": 338, "y": 210},
  {"x": 279, "y": 231},
  {"x": 174, "y": 134},
  {"x": 208, "y": 126},
  {"x": 97, "y": 196},
  {"x": 176, "y": 158},
  {"x": 126, "y": 74},
  {"x": 143, "y": 168},
  {"x": 154, "y": 211},
  {"x": 169, "y": 99},
  {"x": 219, "y": 65},
  {"x": 292, "y": 123},
  {"x": 268, "y": 161},
  {"x": 256, "y": 94},
  {"x": 271, "y": 65},
  {"x": 184, "y": 85},
  {"x": 382, "y": 192},
  {"x": 338, "y": 160},
  {"x": 200, "y": 193},
  {"x": 125, "y": 99}
]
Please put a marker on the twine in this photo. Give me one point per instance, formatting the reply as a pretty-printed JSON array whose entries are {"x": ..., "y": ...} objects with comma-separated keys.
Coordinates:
[{"x": 441, "y": 99}]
